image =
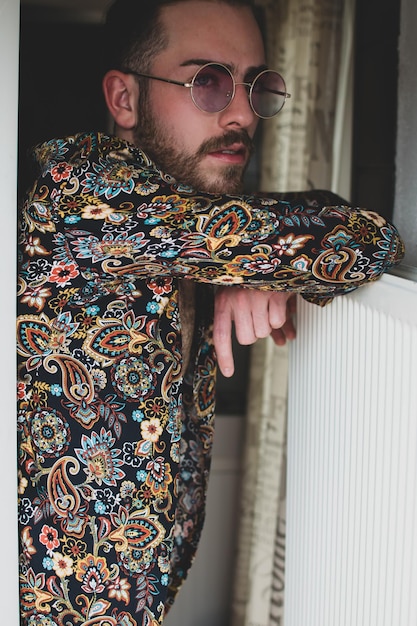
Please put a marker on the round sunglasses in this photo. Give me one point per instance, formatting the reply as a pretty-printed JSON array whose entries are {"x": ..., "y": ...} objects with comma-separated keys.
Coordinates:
[{"x": 213, "y": 88}]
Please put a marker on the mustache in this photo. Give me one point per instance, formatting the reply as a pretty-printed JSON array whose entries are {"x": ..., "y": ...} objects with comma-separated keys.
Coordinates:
[{"x": 226, "y": 140}]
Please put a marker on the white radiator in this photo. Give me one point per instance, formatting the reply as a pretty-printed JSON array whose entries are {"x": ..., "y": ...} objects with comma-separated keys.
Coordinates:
[{"x": 352, "y": 461}]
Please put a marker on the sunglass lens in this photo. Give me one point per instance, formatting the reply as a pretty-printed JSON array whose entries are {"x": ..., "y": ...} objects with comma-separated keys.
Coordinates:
[
  {"x": 212, "y": 88},
  {"x": 268, "y": 93}
]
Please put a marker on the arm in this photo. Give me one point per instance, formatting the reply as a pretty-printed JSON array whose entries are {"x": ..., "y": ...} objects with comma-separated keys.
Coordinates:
[
  {"x": 127, "y": 220},
  {"x": 257, "y": 314},
  {"x": 249, "y": 310}
]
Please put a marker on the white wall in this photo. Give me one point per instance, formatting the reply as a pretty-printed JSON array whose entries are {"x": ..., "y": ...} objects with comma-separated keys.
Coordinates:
[
  {"x": 9, "y": 48},
  {"x": 405, "y": 214}
]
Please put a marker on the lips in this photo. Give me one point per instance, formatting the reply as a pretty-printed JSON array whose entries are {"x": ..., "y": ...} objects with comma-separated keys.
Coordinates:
[{"x": 236, "y": 154}]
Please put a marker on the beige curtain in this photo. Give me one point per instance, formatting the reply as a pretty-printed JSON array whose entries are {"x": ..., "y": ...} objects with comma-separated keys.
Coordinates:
[{"x": 306, "y": 146}]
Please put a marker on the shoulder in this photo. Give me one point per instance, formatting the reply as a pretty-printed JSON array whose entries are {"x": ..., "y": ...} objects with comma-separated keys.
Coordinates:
[{"x": 88, "y": 147}]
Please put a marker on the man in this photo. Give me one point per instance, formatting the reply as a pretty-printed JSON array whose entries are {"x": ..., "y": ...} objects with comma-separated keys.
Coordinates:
[
  {"x": 120, "y": 248},
  {"x": 209, "y": 152}
]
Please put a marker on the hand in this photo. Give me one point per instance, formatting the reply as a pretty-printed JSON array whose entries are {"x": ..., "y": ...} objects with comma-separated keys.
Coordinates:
[{"x": 256, "y": 314}]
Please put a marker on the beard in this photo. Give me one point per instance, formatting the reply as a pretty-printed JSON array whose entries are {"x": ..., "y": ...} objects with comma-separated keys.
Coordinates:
[{"x": 189, "y": 168}]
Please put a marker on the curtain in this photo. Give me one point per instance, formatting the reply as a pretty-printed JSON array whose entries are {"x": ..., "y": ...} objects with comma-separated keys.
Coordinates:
[
  {"x": 306, "y": 146},
  {"x": 405, "y": 211}
]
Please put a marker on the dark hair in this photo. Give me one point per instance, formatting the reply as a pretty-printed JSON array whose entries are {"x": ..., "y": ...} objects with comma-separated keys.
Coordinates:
[{"x": 134, "y": 34}]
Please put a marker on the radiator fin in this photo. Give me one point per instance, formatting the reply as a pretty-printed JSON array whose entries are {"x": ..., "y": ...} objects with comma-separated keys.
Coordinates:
[{"x": 352, "y": 461}]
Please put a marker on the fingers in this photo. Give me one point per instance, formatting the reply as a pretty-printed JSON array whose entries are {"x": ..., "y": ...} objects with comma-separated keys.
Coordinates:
[
  {"x": 251, "y": 316},
  {"x": 286, "y": 333},
  {"x": 255, "y": 315},
  {"x": 222, "y": 334},
  {"x": 277, "y": 309},
  {"x": 278, "y": 337},
  {"x": 288, "y": 328}
]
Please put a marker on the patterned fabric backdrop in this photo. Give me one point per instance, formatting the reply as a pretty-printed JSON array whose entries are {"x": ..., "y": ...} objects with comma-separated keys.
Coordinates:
[{"x": 306, "y": 146}]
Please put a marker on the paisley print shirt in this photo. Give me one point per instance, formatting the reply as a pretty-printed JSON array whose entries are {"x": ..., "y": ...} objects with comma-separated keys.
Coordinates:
[{"x": 115, "y": 435}]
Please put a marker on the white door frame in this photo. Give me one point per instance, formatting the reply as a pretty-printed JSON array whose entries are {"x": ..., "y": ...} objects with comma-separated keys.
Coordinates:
[{"x": 9, "y": 57}]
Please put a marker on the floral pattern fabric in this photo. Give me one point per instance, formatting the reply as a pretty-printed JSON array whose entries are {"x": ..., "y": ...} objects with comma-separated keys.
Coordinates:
[{"x": 115, "y": 437}]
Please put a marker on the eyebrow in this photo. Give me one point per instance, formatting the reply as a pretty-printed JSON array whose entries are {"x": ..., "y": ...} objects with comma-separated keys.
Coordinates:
[{"x": 255, "y": 69}]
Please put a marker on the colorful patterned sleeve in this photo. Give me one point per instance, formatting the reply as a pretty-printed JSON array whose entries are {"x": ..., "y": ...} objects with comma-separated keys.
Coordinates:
[{"x": 124, "y": 218}]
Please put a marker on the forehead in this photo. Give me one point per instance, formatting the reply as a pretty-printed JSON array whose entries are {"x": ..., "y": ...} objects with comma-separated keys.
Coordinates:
[{"x": 200, "y": 29}]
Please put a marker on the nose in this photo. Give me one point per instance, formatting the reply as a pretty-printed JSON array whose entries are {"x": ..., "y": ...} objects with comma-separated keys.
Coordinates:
[{"x": 239, "y": 113}]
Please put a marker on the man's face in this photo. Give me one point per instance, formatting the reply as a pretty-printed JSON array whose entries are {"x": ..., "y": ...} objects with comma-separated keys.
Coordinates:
[{"x": 209, "y": 151}]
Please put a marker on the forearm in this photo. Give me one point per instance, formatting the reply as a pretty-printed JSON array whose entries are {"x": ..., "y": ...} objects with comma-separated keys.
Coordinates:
[{"x": 127, "y": 220}]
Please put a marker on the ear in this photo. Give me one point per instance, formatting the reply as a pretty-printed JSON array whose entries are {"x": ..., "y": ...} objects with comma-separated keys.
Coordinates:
[{"x": 121, "y": 92}]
